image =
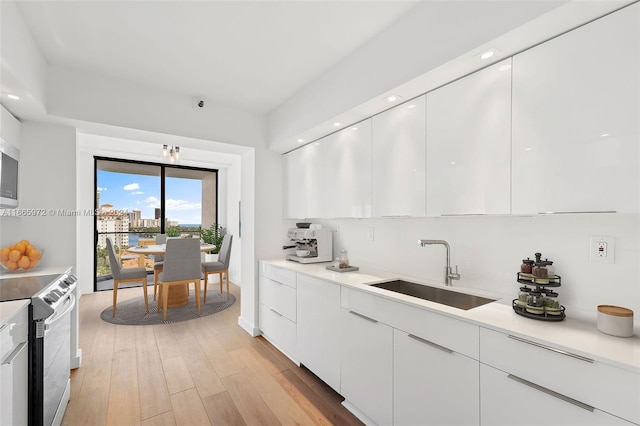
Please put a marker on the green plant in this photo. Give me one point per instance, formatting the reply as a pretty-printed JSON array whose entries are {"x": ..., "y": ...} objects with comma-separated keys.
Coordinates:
[
  {"x": 213, "y": 235},
  {"x": 173, "y": 231}
]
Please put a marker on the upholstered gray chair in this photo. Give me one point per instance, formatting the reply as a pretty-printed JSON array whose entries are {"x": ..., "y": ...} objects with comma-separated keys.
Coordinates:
[
  {"x": 124, "y": 275},
  {"x": 181, "y": 267},
  {"x": 158, "y": 263},
  {"x": 220, "y": 267}
]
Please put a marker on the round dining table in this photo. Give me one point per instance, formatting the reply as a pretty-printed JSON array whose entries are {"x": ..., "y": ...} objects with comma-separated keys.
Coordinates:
[{"x": 178, "y": 294}]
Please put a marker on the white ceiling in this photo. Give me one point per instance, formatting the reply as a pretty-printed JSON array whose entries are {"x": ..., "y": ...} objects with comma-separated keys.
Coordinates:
[{"x": 250, "y": 54}]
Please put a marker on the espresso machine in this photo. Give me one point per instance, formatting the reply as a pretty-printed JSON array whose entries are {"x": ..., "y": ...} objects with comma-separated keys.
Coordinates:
[{"x": 312, "y": 245}]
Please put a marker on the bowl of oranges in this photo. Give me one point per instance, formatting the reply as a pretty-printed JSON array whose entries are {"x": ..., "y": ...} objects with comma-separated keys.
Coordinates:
[{"x": 21, "y": 256}]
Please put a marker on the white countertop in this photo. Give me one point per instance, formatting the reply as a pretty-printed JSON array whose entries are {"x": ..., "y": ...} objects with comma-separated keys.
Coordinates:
[
  {"x": 46, "y": 270},
  {"x": 577, "y": 333}
]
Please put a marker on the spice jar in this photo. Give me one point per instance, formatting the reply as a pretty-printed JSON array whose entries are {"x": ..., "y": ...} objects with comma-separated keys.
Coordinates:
[
  {"x": 551, "y": 303},
  {"x": 550, "y": 270},
  {"x": 527, "y": 266},
  {"x": 535, "y": 303},
  {"x": 523, "y": 296}
]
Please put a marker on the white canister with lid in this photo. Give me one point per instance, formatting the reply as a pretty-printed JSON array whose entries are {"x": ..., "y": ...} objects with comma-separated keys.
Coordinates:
[{"x": 615, "y": 320}]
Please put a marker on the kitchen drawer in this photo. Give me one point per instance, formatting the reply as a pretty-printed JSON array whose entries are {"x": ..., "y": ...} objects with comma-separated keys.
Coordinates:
[
  {"x": 278, "y": 274},
  {"x": 279, "y": 330},
  {"x": 453, "y": 334},
  {"x": 278, "y": 296},
  {"x": 608, "y": 388},
  {"x": 14, "y": 331}
]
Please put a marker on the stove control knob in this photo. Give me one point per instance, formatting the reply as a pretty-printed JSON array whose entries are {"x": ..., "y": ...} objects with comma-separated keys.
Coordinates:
[{"x": 48, "y": 300}]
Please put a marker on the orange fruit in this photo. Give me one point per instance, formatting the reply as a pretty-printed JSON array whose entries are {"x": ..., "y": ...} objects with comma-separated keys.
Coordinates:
[
  {"x": 11, "y": 265},
  {"x": 15, "y": 255},
  {"x": 33, "y": 264},
  {"x": 24, "y": 262},
  {"x": 20, "y": 247},
  {"x": 4, "y": 254},
  {"x": 34, "y": 253}
]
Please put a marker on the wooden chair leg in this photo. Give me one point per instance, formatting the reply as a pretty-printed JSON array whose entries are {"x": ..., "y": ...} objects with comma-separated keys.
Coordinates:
[
  {"x": 146, "y": 299},
  {"x": 206, "y": 275},
  {"x": 115, "y": 297},
  {"x": 197, "y": 286},
  {"x": 165, "y": 299},
  {"x": 227, "y": 284},
  {"x": 220, "y": 275}
]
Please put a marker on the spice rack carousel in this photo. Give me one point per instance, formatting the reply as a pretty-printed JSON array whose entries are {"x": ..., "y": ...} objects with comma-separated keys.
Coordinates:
[{"x": 550, "y": 309}]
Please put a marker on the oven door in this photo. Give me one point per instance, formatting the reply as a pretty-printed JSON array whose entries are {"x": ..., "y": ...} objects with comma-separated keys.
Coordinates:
[{"x": 57, "y": 361}]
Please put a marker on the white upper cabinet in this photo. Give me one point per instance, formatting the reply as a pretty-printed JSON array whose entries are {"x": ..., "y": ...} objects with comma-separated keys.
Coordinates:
[
  {"x": 469, "y": 144},
  {"x": 303, "y": 182},
  {"x": 347, "y": 177},
  {"x": 398, "y": 160},
  {"x": 575, "y": 119}
]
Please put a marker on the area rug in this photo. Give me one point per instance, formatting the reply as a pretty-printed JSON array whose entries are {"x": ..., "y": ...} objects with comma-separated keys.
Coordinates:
[{"x": 132, "y": 311}]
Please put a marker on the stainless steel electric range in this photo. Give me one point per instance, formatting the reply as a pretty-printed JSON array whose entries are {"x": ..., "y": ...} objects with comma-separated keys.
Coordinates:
[{"x": 52, "y": 300}]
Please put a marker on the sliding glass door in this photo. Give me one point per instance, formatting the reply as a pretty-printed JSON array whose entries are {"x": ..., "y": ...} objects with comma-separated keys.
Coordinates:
[{"x": 137, "y": 201}]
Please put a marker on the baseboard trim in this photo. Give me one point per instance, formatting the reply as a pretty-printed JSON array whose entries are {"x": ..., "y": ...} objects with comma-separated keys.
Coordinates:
[{"x": 248, "y": 327}]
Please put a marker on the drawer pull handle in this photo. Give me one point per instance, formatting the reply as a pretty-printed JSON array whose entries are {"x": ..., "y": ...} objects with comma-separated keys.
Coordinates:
[
  {"x": 275, "y": 312},
  {"x": 552, "y": 393},
  {"x": 363, "y": 316},
  {"x": 435, "y": 345},
  {"x": 581, "y": 358}
]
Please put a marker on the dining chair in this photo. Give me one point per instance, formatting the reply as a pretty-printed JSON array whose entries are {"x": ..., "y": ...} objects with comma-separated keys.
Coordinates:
[
  {"x": 220, "y": 267},
  {"x": 158, "y": 262},
  {"x": 181, "y": 267},
  {"x": 124, "y": 275}
]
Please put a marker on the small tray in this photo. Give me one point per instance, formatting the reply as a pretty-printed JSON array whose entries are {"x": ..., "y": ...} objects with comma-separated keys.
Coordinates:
[{"x": 347, "y": 269}]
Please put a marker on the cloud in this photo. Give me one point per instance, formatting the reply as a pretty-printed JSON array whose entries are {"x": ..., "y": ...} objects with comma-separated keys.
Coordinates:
[
  {"x": 131, "y": 186},
  {"x": 171, "y": 204},
  {"x": 101, "y": 189},
  {"x": 151, "y": 202},
  {"x": 137, "y": 193}
]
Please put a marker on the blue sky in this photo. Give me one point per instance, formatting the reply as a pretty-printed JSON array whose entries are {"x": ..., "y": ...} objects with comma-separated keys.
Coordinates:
[{"x": 141, "y": 192}]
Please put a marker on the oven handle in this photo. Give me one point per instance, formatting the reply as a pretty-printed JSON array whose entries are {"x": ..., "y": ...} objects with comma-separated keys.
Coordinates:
[{"x": 60, "y": 315}]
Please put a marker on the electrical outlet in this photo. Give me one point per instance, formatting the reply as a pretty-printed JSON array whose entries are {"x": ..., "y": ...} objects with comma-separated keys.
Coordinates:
[
  {"x": 370, "y": 234},
  {"x": 601, "y": 249}
]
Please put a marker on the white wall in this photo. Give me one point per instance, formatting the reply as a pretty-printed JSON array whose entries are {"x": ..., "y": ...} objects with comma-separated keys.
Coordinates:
[
  {"x": 489, "y": 250},
  {"x": 93, "y": 145},
  {"x": 47, "y": 183}
]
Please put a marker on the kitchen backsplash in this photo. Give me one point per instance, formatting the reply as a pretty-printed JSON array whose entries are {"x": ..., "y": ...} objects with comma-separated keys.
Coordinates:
[{"x": 489, "y": 250}]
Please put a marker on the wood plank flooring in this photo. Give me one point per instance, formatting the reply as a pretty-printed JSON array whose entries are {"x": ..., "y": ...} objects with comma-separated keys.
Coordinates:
[{"x": 206, "y": 371}]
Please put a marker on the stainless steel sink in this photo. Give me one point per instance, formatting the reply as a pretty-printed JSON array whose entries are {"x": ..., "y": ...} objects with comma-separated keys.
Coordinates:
[{"x": 434, "y": 294}]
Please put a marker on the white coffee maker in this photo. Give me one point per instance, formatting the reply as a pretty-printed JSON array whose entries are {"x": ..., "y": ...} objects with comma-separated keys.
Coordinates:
[{"x": 312, "y": 245}]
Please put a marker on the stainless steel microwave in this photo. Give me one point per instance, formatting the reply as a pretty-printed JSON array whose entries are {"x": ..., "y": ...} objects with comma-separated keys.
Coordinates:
[{"x": 9, "y": 165}]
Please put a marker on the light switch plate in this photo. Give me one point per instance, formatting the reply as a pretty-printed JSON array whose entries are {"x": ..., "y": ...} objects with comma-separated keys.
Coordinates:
[{"x": 602, "y": 249}]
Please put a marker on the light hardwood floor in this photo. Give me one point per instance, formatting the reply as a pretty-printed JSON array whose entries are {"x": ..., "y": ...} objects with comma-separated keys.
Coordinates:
[{"x": 206, "y": 371}]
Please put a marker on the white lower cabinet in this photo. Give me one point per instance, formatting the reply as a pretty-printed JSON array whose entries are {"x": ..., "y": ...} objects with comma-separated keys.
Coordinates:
[
  {"x": 512, "y": 401},
  {"x": 278, "y": 308},
  {"x": 366, "y": 372},
  {"x": 318, "y": 326},
  {"x": 428, "y": 378}
]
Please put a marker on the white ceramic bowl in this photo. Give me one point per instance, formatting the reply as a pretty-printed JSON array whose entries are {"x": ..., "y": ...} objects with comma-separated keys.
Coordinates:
[
  {"x": 303, "y": 253},
  {"x": 615, "y": 320}
]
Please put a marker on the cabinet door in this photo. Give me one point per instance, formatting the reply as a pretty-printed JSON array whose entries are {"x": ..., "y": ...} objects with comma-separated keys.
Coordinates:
[
  {"x": 303, "y": 184},
  {"x": 398, "y": 160},
  {"x": 507, "y": 400},
  {"x": 347, "y": 172},
  {"x": 427, "y": 378},
  {"x": 319, "y": 328},
  {"x": 366, "y": 366},
  {"x": 575, "y": 119},
  {"x": 469, "y": 144}
]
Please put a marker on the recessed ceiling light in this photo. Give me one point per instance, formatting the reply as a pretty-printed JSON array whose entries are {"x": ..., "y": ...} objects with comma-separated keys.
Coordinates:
[
  {"x": 393, "y": 98},
  {"x": 300, "y": 140},
  {"x": 14, "y": 97},
  {"x": 452, "y": 163},
  {"x": 504, "y": 67},
  {"x": 528, "y": 149},
  {"x": 411, "y": 106},
  {"x": 487, "y": 54},
  {"x": 604, "y": 135},
  {"x": 354, "y": 128},
  {"x": 337, "y": 124},
  {"x": 317, "y": 143}
]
